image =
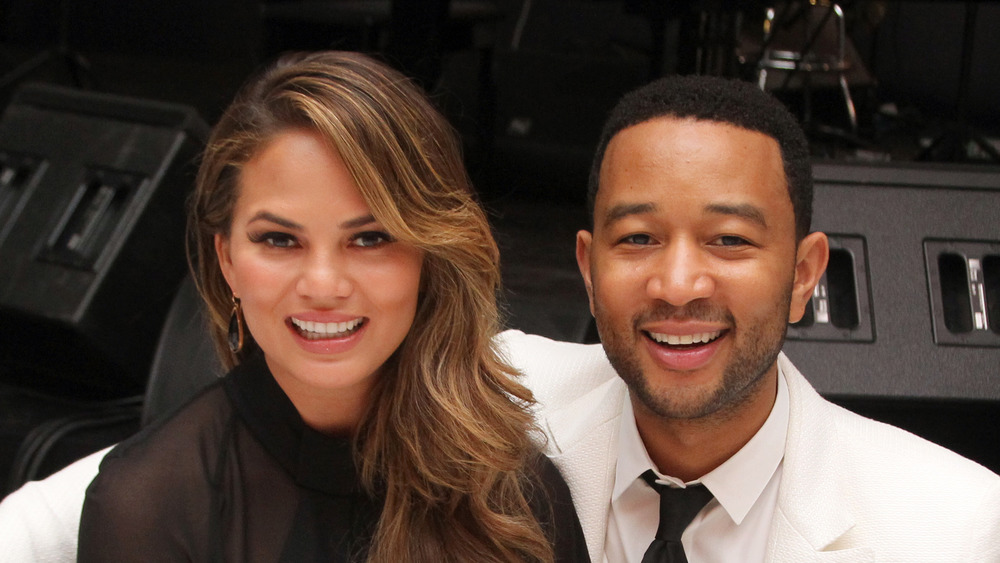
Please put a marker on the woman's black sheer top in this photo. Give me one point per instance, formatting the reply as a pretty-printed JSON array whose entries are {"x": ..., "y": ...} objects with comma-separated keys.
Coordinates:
[{"x": 237, "y": 476}]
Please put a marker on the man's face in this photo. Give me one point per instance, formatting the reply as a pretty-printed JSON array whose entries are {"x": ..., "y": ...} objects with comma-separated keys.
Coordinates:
[{"x": 692, "y": 269}]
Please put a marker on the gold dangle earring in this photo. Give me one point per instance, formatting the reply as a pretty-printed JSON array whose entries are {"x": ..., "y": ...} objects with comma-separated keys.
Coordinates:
[{"x": 236, "y": 327}]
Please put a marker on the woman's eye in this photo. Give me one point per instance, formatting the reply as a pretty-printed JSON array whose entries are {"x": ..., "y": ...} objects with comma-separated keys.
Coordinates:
[
  {"x": 275, "y": 239},
  {"x": 371, "y": 239}
]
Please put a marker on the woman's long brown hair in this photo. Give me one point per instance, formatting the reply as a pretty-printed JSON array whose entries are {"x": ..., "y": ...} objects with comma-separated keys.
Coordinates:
[{"x": 446, "y": 436}]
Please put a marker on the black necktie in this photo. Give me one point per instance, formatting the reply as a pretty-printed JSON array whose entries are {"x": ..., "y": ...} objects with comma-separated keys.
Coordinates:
[{"x": 677, "y": 508}]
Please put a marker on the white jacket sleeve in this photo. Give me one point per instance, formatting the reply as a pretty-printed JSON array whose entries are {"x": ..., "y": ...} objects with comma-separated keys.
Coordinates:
[{"x": 40, "y": 521}]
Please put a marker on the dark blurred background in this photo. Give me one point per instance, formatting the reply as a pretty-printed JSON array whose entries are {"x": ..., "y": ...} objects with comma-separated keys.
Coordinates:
[{"x": 106, "y": 104}]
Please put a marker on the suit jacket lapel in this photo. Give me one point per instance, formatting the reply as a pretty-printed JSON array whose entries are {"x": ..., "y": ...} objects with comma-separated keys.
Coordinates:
[
  {"x": 787, "y": 544},
  {"x": 811, "y": 514},
  {"x": 583, "y": 443}
]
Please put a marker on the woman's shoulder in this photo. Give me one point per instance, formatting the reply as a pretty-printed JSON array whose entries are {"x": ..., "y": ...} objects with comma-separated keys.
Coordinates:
[
  {"x": 552, "y": 504},
  {"x": 550, "y": 491},
  {"x": 174, "y": 446},
  {"x": 154, "y": 490},
  {"x": 544, "y": 471}
]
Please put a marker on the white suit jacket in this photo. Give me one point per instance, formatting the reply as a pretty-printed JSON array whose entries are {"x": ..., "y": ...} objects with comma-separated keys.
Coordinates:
[{"x": 852, "y": 489}]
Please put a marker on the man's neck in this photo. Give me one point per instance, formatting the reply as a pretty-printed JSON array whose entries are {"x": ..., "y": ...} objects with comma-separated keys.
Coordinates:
[{"x": 689, "y": 448}]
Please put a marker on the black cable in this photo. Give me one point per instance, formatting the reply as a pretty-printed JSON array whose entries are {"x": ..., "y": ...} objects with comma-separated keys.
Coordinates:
[{"x": 39, "y": 442}]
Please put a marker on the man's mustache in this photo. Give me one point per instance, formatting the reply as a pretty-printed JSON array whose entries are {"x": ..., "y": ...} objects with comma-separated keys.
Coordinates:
[{"x": 694, "y": 311}]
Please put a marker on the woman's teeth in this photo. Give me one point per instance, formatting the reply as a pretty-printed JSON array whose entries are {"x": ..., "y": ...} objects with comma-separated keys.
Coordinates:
[
  {"x": 677, "y": 340},
  {"x": 315, "y": 331}
]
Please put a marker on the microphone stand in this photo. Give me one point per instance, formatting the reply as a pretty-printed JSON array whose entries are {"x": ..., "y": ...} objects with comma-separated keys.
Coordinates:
[{"x": 956, "y": 136}]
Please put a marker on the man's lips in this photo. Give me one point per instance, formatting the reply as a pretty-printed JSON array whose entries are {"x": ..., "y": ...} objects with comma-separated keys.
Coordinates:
[
  {"x": 684, "y": 339},
  {"x": 684, "y": 352}
]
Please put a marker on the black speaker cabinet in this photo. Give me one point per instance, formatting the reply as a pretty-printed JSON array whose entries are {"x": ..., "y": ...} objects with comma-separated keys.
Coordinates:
[
  {"x": 910, "y": 305},
  {"x": 92, "y": 191}
]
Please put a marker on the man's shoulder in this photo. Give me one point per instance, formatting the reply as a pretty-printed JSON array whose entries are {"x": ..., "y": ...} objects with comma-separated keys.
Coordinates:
[
  {"x": 882, "y": 470},
  {"x": 904, "y": 452},
  {"x": 556, "y": 372},
  {"x": 905, "y": 497},
  {"x": 849, "y": 435}
]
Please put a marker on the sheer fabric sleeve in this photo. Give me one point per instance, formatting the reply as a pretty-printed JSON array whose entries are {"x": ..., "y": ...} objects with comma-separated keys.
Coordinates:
[
  {"x": 126, "y": 518},
  {"x": 153, "y": 497}
]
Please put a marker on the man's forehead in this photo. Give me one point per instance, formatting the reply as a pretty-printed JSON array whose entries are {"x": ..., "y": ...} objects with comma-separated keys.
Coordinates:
[
  {"x": 658, "y": 135},
  {"x": 705, "y": 168}
]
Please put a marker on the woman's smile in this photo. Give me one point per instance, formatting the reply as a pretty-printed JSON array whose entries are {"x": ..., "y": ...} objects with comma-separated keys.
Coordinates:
[{"x": 315, "y": 330}]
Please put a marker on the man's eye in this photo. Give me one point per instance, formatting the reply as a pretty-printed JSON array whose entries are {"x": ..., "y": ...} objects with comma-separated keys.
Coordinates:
[
  {"x": 638, "y": 239},
  {"x": 275, "y": 239},
  {"x": 370, "y": 239},
  {"x": 730, "y": 240}
]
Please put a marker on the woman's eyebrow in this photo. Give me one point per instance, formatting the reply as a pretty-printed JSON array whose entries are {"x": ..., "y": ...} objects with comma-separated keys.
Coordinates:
[
  {"x": 358, "y": 222},
  {"x": 268, "y": 216},
  {"x": 289, "y": 224}
]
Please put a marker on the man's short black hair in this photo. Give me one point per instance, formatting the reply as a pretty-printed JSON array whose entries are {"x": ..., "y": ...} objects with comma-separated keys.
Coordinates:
[{"x": 721, "y": 100}]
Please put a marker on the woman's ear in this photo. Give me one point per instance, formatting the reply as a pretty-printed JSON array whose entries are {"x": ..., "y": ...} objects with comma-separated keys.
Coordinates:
[
  {"x": 225, "y": 260},
  {"x": 811, "y": 257}
]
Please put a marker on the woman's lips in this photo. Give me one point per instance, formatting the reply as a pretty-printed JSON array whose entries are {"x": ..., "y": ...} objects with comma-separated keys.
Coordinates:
[
  {"x": 327, "y": 337},
  {"x": 317, "y": 330}
]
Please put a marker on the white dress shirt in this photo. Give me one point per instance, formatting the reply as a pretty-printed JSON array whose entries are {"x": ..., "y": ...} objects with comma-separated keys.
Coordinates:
[{"x": 733, "y": 526}]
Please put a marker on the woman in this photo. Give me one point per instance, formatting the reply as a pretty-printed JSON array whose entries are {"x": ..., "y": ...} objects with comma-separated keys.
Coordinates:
[{"x": 350, "y": 278}]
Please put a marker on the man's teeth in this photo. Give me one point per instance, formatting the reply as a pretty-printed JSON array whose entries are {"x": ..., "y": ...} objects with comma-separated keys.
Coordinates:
[
  {"x": 677, "y": 340},
  {"x": 315, "y": 330}
]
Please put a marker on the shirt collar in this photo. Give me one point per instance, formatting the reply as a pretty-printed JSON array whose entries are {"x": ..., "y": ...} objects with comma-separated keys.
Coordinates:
[
  {"x": 738, "y": 482},
  {"x": 633, "y": 460}
]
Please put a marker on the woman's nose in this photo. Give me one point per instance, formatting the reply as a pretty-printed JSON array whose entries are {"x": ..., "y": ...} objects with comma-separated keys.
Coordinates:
[{"x": 325, "y": 276}]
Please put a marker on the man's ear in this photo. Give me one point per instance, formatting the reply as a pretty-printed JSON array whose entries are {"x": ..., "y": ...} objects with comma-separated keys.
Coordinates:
[
  {"x": 584, "y": 240},
  {"x": 810, "y": 262},
  {"x": 225, "y": 260}
]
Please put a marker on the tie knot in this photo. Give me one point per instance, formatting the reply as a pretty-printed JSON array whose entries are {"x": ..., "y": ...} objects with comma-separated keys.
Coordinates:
[{"x": 677, "y": 506}]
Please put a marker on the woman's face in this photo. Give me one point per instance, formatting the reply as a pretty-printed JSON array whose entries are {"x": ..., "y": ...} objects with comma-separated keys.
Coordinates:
[{"x": 327, "y": 293}]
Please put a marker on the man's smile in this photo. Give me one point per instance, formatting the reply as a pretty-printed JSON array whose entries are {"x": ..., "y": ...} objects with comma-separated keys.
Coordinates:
[{"x": 684, "y": 339}]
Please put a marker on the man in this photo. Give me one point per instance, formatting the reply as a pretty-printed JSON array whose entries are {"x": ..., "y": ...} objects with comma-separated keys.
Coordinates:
[{"x": 700, "y": 254}]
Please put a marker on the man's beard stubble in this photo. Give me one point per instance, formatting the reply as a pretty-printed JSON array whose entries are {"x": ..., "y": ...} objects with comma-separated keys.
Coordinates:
[{"x": 751, "y": 359}]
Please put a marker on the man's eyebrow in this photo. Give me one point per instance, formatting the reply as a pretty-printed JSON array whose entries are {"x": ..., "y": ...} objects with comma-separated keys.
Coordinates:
[
  {"x": 268, "y": 216},
  {"x": 746, "y": 211},
  {"x": 623, "y": 210}
]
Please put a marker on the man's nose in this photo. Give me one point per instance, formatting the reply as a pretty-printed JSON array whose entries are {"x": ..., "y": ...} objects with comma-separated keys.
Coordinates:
[{"x": 680, "y": 274}]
